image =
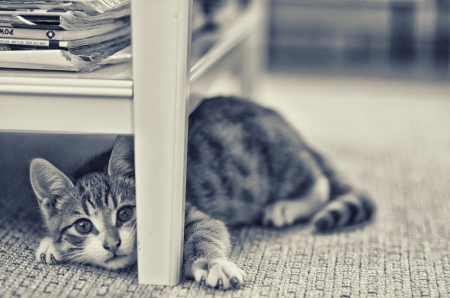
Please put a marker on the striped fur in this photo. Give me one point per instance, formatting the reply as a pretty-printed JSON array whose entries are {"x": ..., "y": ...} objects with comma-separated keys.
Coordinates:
[{"x": 245, "y": 165}]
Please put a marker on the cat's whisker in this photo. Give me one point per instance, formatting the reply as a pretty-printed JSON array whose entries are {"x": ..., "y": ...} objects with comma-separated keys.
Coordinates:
[
  {"x": 76, "y": 257},
  {"x": 81, "y": 260}
]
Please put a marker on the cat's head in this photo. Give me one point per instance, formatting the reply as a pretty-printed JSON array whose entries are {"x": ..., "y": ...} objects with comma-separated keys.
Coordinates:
[{"x": 91, "y": 220}]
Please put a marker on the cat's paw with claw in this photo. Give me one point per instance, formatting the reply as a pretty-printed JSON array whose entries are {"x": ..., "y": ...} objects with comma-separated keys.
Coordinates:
[
  {"x": 47, "y": 253},
  {"x": 218, "y": 273}
]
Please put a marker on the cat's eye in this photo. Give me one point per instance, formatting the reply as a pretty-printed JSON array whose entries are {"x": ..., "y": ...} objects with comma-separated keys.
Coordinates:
[
  {"x": 83, "y": 226},
  {"x": 125, "y": 214}
]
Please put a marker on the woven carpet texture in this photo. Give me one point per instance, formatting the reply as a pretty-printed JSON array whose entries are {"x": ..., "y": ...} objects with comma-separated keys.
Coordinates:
[{"x": 391, "y": 137}]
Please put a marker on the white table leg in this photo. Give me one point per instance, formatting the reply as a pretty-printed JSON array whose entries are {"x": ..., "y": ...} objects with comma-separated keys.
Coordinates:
[
  {"x": 254, "y": 50},
  {"x": 161, "y": 43}
]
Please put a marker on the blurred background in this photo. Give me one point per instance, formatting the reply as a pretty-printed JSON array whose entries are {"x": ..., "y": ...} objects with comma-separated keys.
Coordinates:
[{"x": 377, "y": 37}]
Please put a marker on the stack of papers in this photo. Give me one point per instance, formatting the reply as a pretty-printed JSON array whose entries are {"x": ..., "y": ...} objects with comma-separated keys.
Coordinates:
[{"x": 58, "y": 35}]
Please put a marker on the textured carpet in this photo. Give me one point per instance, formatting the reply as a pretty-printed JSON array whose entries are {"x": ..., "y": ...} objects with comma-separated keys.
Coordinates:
[{"x": 392, "y": 137}]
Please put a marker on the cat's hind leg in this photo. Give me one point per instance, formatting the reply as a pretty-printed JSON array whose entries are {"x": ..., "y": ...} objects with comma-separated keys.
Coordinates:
[
  {"x": 286, "y": 212},
  {"x": 345, "y": 210},
  {"x": 347, "y": 206}
]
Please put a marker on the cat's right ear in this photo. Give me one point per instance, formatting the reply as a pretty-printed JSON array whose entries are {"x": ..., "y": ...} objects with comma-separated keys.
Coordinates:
[
  {"x": 49, "y": 185},
  {"x": 121, "y": 162}
]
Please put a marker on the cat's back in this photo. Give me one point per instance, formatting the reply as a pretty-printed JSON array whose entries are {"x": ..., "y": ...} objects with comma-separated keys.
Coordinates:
[
  {"x": 237, "y": 152},
  {"x": 222, "y": 115},
  {"x": 227, "y": 111},
  {"x": 231, "y": 121}
]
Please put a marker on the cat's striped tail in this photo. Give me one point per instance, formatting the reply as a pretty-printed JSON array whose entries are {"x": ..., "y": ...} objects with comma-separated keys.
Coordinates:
[{"x": 345, "y": 210}]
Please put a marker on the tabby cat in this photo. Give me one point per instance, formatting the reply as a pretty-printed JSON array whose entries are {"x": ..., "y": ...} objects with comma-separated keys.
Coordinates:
[{"x": 245, "y": 166}]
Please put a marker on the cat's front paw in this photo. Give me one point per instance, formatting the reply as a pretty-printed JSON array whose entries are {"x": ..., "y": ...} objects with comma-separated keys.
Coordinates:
[
  {"x": 218, "y": 273},
  {"x": 47, "y": 253}
]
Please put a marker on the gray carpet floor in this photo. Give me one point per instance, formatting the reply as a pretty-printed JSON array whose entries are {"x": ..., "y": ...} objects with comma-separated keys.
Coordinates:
[{"x": 390, "y": 136}]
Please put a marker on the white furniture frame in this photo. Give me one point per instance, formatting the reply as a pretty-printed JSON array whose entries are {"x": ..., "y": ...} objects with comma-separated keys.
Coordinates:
[{"x": 153, "y": 106}]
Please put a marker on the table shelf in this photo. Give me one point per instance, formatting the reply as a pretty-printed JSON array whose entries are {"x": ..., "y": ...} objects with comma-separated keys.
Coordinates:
[{"x": 147, "y": 98}]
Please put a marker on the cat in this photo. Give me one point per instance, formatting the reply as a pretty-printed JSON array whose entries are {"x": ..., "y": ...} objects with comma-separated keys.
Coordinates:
[{"x": 245, "y": 165}]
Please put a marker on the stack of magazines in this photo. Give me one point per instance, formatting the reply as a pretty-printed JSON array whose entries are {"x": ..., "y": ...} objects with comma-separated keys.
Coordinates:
[{"x": 76, "y": 35}]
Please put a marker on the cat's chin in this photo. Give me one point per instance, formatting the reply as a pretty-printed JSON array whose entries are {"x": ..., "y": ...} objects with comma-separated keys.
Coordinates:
[{"x": 119, "y": 262}]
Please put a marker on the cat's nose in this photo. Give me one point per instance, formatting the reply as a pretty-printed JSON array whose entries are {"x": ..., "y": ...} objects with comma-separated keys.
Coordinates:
[{"x": 112, "y": 246}]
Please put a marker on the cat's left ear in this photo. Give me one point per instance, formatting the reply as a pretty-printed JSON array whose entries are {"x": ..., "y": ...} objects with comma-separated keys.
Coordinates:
[
  {"x": 121, "y": 162},
  {"x": 50, "y": 185}
]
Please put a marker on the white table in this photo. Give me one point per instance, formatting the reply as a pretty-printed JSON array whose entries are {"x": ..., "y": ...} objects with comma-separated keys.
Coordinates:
[{"x": 148, "y": 99}]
